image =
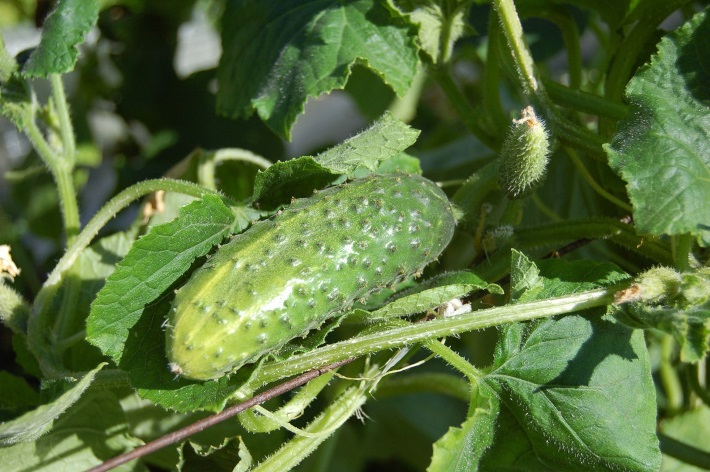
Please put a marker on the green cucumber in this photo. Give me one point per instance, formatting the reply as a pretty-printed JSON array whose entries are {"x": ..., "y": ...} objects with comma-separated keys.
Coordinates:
[
  {"x": 286, "y": 275},
  {"x": 524, "y": 156}
]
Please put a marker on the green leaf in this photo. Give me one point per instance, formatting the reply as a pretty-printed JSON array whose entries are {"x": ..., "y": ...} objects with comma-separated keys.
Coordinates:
[
  {"x": 439, "y": 24},
  {"x": 460, "y": 448},
  {"x": 576, "y": 393},
  {"x": 662, "y": 150},
  {"x": 15, "y": 101},
  {"x": 525, "y": 280},
  {"x": 63, "y": 31},
  {"x": 8, "y": 66},
  {"x": 245, "y": 459},
  {"x": 434, "y": 293},
  {"x": 152, "y": 265},
  {"x": 89, "y": 433},
  {"x": 386, "y": 138},
  {"x": 37, "y": 422},
  {"x": 279, "y": 53},
  {"x": 283, "y": 181},
  {"x": 16, "y": 395},
  {"x": 371, "y": 149}
]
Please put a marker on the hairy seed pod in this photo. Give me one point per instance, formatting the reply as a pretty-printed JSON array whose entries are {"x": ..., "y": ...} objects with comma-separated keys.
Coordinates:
[
  {"x": 524, "y": 156},
  {"x": 286, "y": 275}
]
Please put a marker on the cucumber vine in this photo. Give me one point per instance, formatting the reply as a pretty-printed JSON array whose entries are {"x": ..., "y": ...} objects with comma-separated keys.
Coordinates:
[{"x": 533, "y": 292}]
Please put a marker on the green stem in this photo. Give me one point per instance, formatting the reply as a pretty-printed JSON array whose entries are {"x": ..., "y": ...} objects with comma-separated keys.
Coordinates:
[
  {"x": 682, "y": 245},
  {"x": 436, "y": 382},
  {"x": 586, "y": 102},
  {"x": 236, "y": 154},
  {"x": 471, "y": 118},
  {"x": 573, "y": 135},
  {"x": 421, "y": 332},
  {"x": 544, "y": 209},
  {"x": 669, "y": 376},
  {"x": 570, "y": 36},
  {"x": 61, "y": 172},
  {"x": 67, "y": 197},
  {"x": 553, "y": 234},
  {"x": 523, "y": 60},
  {"x": 631, "y": 48},
  {"x": 684, "y": 452},
  {"x": 37, "y": 339},
  {"x": 564, "y": 130},
  {"x": 593, "y": 183},
  {"x": 491, "y": 79},
  {"x": 694, "y": 371},
  {"x": 454, "y": 359},
  {"x": 65, "y": 127}
]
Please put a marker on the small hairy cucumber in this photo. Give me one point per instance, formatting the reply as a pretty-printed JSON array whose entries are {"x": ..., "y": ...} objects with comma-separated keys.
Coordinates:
[
  {"x": 286, "y": 275},
  {"x": 524, "y": 156}
]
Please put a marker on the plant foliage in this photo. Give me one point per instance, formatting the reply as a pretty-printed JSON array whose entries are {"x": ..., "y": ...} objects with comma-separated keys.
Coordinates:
[{"x": 564, "y": 327}]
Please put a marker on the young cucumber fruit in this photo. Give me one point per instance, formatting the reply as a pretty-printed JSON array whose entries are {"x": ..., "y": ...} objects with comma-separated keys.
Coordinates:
[{"x": 286, "y": 275}]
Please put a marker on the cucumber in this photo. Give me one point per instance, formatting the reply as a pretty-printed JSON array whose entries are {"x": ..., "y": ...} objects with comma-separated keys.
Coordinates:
[
  {"x": 286, "y": 275},
  {"x": 524, "y": 156}
]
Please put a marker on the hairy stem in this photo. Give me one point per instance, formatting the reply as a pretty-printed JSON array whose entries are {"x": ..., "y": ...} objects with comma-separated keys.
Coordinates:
[
  {"x": 65, "y": 126},
  {"x": 421, "y": 332}
]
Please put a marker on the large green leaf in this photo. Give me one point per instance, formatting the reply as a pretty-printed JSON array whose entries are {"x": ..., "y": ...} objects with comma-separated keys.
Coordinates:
[
  {"x": 279, "y": 53},
  {"x": 152, "y": 265},
  {"x": 662, "y": 150},
  {"x": 574, "y": 393},
  {"x": 64, "y": 29}
]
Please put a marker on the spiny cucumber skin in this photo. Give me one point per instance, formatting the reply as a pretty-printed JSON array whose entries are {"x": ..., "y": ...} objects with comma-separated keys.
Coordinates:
[
  {"x": 286, "y": 275},
  {"x": 524, "y": 156}
]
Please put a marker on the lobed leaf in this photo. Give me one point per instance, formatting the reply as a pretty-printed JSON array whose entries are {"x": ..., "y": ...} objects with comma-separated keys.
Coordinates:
[
  {"x": 277, "y": 54},
  {"x": 577, "y": 392},
  {"x": 574, "y": 393},
  {"x": 662, "y": 149}
]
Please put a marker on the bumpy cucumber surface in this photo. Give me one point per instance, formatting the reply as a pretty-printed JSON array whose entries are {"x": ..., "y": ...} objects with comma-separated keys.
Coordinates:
[{"x": 286, "y": 275}]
